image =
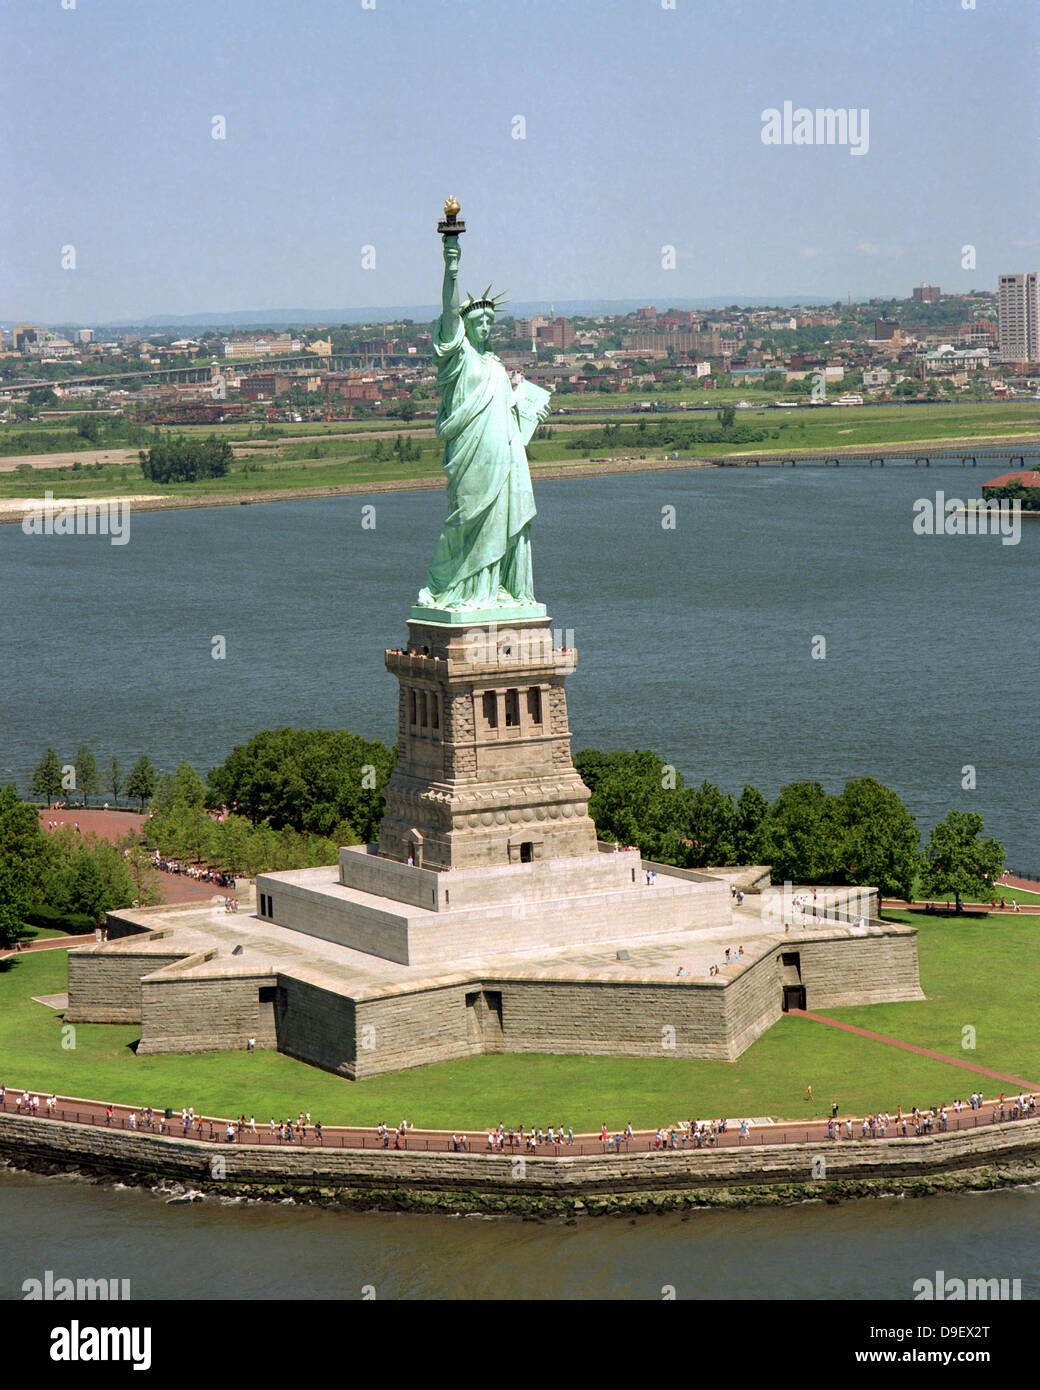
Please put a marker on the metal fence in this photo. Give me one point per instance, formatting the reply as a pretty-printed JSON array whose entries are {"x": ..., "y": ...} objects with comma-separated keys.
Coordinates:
[{"x": 206, "y": 1130}]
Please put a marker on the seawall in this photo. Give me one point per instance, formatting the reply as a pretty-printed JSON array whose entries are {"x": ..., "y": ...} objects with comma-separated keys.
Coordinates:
[{"x": 998, "y": 1156}]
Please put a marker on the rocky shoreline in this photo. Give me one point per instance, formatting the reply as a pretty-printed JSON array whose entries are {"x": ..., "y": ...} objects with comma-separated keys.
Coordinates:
[{"x": 545, "y": 1207}]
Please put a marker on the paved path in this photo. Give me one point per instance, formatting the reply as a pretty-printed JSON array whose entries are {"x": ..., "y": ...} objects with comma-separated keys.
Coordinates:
[
  {"x": 213, "y": 1129},
  {"x": 921, "y": 904},
  {"x": 1024, "y": 885},
  {"x": 51, "y": 943},
  {"x": 920, "y": 1051}
]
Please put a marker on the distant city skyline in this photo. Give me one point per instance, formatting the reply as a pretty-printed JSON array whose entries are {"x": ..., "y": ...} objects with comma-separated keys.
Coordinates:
[{"x": 606, "y": 151}]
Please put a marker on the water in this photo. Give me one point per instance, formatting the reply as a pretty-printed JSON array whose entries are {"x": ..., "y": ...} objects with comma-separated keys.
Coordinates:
[
  {"x": 214, "y": 1250},
  {"x": 696, "y": 642}
]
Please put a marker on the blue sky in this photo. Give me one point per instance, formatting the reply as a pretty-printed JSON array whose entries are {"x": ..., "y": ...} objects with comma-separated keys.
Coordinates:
[{"x": 348, "y": 126}]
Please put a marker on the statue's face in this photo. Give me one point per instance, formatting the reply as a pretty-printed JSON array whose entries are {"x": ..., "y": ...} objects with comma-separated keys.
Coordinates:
[{"x": 478, "y": 327}]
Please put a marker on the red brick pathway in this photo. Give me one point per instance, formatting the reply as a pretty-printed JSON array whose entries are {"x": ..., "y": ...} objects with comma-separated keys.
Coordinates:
[
  {"x": 1024, "y": 885},
  {"x": 51, "y": 943},
  {"x": 920, "y": 1051}
]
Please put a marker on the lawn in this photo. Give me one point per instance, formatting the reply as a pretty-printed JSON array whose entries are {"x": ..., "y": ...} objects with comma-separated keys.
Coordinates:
[
  {"x": 983, "y": 973},
  {"x": 302, "y": 458}
]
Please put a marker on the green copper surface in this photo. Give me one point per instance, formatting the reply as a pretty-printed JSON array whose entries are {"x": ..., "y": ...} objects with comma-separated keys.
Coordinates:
[{"x": 482, "y": 559}]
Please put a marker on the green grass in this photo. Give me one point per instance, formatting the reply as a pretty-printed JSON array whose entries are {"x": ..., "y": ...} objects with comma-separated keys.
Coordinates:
[
  {"x": 983, "y": 972},
  {"x": 306, "y": 460}
]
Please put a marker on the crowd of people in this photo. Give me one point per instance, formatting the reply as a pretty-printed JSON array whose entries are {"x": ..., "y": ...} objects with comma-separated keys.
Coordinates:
[
  {"x": 532, "y": 1139},
  {"x": 199, "y": 872}
]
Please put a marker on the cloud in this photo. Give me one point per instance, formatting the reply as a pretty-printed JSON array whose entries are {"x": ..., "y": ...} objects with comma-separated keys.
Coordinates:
[{"x": 874, "y": 248}]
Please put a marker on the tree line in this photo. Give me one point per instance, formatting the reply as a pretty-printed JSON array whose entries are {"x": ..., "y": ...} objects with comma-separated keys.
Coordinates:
[
  {"x": 288, "y": 798},
  {"x": 862, "y": 836},
  {"x": 46, "y": 878},
  {"x": 179, "y": 459},
  {"x": 667, "y": 434},
  {"x": 52, "y": 780}
]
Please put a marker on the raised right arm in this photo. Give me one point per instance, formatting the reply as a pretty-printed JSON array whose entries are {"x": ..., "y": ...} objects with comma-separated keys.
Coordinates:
[{"x": 450, "y": 289}]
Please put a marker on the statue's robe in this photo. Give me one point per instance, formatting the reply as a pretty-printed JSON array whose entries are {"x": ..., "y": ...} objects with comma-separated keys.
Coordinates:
[{"x": 483, "y": 555}]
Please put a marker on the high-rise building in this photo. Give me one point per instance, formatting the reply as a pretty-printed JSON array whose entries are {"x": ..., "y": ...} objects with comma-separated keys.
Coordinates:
[
  {"x": 926, "y": 294},
  {"x": 1018, "y": 317}
]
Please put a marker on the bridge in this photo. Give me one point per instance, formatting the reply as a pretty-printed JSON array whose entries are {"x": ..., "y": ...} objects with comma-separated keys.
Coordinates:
[
  {"x": 1005, "y": 460},
  {"x": 202, "y": 372}
]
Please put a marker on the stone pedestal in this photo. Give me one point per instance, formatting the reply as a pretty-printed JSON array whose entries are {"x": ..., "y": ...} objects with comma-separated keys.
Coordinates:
[{"x": 484, "y": 774}]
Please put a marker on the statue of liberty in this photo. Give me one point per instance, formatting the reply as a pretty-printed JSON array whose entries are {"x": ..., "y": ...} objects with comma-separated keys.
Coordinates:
[{"x": 483, "y": 556}]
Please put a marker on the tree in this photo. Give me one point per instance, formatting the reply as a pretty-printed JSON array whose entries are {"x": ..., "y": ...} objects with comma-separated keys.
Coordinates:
[
  {"x": 182, "y": 460},
  {"x": 88, "y": 892},
  {"x": 142, "y": 780},
  {"x": 114, "y": 778},
  {"x": 184, "y": 788},
  {"x": 726, "y": 416},
  {"x": 147, "y": 885},
  {"x": 958, "y": 861},
  {"x": 710, "y": 824},
  {"x": 637, "y": 799},
  {"x": 749, "y": 819},
  {"x": 23, "y": 850},
  {"x": 46, "y": 778},
  {"x": 879, "y": 843},
  {"x": 86, "y": 773},
  {"x": 309, "y": 779},
  {"x": 800, "y": 835}
]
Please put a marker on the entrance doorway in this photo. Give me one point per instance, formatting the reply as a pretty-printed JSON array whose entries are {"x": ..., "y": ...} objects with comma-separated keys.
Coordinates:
[
  {"x": 526, "y": 852},
  {"x": 794, "y": 997}
]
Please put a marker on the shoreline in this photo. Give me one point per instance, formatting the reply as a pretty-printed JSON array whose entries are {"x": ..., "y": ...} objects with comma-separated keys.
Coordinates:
[
  {"x": 12, "y": 510},
  {"x": 1005, "y": 1155}
]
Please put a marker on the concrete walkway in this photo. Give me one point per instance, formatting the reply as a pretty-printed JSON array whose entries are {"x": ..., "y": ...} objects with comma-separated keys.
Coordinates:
[{"x": 214, "y": 1128}]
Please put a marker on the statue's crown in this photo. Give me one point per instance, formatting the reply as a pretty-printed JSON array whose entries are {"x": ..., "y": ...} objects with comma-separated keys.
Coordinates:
[{"x": 486, "y": 301}]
